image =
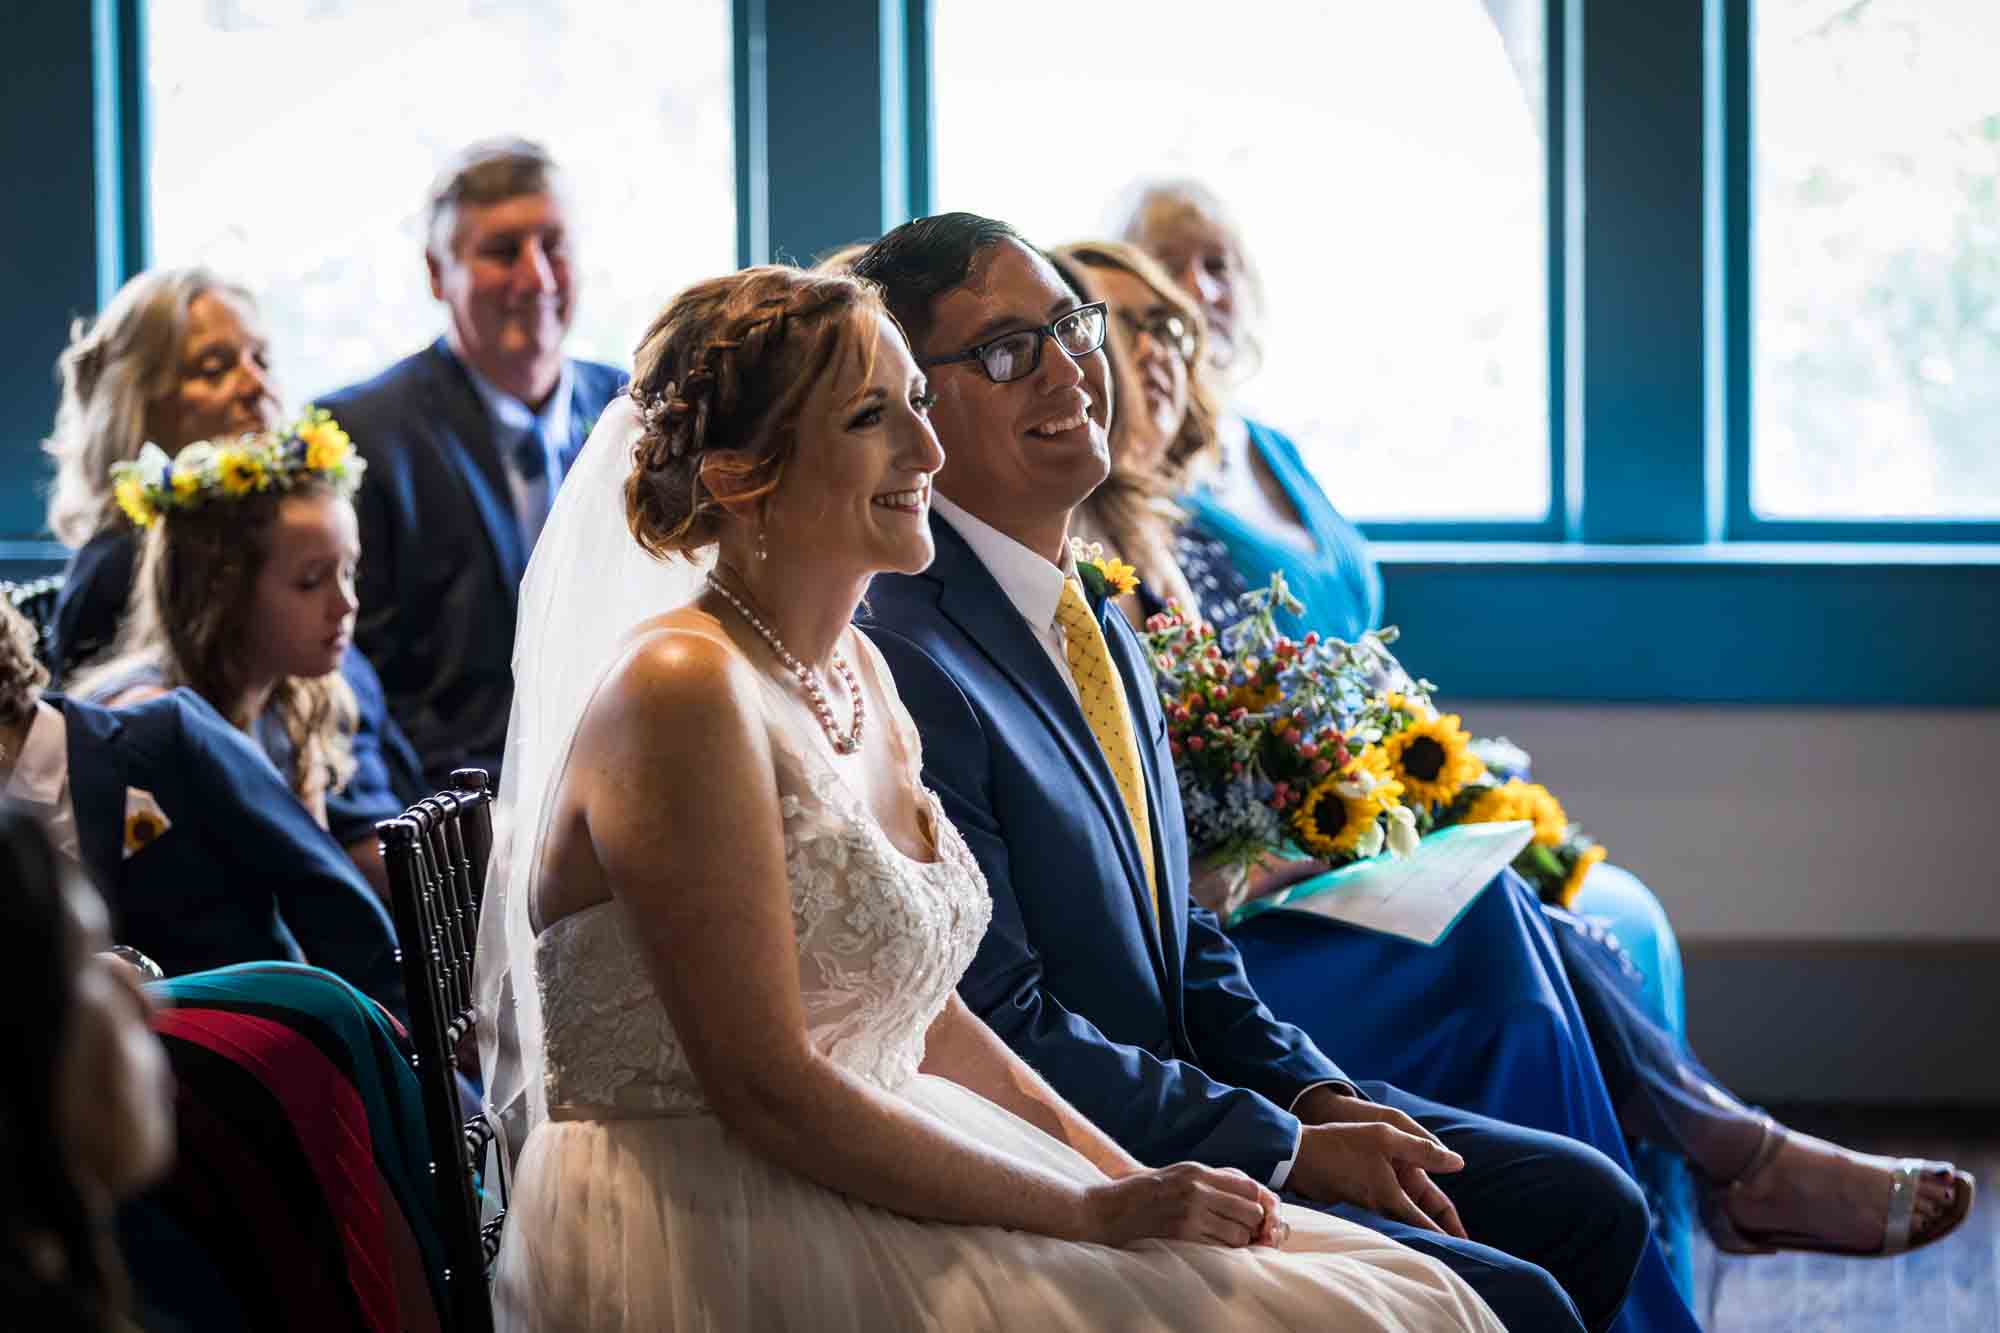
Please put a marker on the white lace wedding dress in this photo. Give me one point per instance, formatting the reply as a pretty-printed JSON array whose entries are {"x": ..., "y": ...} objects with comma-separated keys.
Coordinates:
[{"x": 635, "y": 1208}]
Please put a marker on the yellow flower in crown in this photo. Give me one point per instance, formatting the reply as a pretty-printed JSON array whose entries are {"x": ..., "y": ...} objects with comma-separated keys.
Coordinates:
[
  {"x": 327, "y": 445},
  {"x": 1432, "y": 758},
  {"x": 1586, "y": 861},
  {"x": 240, "y": 469},
  {"x": 316, "y": 450},
  {"x": 130, "y": 493}
]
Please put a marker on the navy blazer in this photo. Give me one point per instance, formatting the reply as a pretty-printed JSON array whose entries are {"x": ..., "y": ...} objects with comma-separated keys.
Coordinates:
[
  {"x": 441, "y": 551},
  {"x": 242, "y": 873},
  {"x": 1154, "y": 1034}
]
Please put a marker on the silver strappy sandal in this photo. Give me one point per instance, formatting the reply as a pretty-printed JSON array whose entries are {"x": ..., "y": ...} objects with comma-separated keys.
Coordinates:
[{"x": 1898, "y": 1224}]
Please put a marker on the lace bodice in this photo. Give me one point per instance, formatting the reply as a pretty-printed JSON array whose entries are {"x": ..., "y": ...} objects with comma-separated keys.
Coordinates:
[{"x": 882, "y": 940}]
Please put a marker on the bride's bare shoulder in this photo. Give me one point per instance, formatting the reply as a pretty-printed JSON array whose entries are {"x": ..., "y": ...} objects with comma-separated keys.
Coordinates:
[{"x": 681, "y": 669}]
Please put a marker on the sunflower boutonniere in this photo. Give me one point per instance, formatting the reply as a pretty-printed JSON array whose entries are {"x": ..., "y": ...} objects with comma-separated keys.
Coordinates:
[
  {"x": 1103, "y": 575},
  {"x": 144, "y": 821}
]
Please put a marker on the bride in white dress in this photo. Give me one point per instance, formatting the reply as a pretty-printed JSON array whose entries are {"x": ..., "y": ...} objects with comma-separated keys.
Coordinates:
[{"x": 718, "y": 957}]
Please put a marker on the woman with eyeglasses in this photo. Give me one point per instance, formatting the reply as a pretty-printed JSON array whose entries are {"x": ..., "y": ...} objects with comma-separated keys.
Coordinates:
[
  {"x": 1769, "y": 1187},
  {"x": 1164, "y": 432}
]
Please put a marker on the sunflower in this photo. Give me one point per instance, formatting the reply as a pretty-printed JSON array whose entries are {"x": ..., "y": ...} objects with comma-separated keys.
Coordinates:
[
  {"x": 327, "y": 445},
  {"x": 1122, "y": 577},
  {"x": 1432, "y": 759},
  {"x": 130, "y": 493},
  {"x": 1586, "y": 861},
  {"x": 1341, "y": 815},
  {"x": 240, "y": 470},
  {"x": 141, "y": 828},
  {"x": 1551, "y": 822},
  {"x": 1521, "y": 800}
]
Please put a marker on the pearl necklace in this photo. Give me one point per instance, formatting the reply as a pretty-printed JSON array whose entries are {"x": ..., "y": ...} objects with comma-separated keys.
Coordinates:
[{"x": 808, "y": 678}]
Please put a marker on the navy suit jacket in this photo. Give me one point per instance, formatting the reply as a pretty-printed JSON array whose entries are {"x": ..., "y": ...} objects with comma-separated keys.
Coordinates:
[
  {"x": 242, "y": 873},
  {"x": 1147, "y": 1025},
  {"x": 441, "y": 551}
]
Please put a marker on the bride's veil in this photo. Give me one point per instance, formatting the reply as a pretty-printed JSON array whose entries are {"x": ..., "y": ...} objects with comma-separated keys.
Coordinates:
[{"x": 587, "y": 585}]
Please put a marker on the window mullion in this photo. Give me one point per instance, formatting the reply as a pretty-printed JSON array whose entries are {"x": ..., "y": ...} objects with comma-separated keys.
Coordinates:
[
  {"x": 1644, "y": 464},
  {"x": 842, "y": 172}
]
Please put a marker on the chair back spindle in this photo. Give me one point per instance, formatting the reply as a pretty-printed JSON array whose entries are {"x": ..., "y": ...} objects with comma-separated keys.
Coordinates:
[
  {"x": 436, "y": 854},
  {"x": 36, "y": 600}
]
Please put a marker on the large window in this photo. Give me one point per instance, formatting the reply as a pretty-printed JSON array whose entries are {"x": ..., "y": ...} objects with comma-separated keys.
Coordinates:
[
  {"x": 1387, "y": 163},
  {"x": 1876, "y": 306},
  {"x": 294, "y": 141}
]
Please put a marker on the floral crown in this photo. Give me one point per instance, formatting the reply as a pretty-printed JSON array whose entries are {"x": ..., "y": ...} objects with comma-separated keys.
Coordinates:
[{"x": 316, "y": 447}]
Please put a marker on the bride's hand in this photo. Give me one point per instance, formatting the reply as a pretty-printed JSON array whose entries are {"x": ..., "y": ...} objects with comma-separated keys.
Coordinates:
[{"x": 1186, "y": 1201}]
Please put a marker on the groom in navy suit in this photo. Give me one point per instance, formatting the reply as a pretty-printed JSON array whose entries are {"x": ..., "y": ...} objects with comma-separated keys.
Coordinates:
[
  {"x": 1097, "y": 969},
  {"x": 466, "y": 442}
]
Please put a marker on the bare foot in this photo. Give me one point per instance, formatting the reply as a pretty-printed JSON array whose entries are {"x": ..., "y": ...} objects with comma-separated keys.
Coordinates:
[{"x": 1822, "y": 1190}]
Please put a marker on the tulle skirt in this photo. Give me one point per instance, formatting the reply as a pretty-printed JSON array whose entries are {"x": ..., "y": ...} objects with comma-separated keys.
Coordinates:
[{"x": 673, "y": 1224}]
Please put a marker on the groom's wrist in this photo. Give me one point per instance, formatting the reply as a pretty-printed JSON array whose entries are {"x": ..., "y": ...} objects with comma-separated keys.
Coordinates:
[{"x": 1328, "y": 1103}]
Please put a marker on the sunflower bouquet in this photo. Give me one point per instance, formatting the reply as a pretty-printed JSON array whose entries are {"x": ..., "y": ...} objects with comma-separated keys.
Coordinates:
[
  {"x": 1449, "y": 777},
  {"x": 1331, "y": 749},
  {"x": 1258, "y": 724}
]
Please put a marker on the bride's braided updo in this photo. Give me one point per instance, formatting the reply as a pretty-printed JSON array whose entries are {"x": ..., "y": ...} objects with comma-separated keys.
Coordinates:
[{"x": 718, "y": 382}]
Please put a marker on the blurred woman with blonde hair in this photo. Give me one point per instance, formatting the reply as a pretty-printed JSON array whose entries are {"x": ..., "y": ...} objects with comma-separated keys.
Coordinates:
[{"x": 179, "y": 356}]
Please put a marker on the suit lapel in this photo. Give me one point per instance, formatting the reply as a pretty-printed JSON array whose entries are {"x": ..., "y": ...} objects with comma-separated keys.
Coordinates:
[
  {"x": 1144, "y": 702},
  {"x": 456, "y": 407},
  {"x": 973, "y": 600},
  {"x": 97, "y": 782}
]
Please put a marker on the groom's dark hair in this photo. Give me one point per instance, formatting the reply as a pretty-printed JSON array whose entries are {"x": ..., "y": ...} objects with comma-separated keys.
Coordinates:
[{"x": 921, "y": 260}]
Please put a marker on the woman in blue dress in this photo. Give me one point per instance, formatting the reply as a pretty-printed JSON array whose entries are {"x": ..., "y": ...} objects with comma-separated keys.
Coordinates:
[{"x": 1523, "y": 1012}]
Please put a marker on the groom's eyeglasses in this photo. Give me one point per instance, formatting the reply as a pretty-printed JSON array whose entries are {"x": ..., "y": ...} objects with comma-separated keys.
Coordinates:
[{"x": 1012, "y": 356}]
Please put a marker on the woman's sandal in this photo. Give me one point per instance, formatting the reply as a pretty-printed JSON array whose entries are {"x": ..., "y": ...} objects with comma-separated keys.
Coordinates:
[{"x": 1897, "y": 1225}]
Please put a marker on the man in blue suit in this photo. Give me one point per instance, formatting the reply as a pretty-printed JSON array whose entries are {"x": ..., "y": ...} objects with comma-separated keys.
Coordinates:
[
  {"x": 1045, "y": 741},
  {"x": 466, "y": 442},
  {"x": 200, "y": 848}
]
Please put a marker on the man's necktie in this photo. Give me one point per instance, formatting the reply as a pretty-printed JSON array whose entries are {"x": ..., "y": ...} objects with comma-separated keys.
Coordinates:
[
  {"x": 531, "y": 453},
  {"x": 1101, "y": 691}
]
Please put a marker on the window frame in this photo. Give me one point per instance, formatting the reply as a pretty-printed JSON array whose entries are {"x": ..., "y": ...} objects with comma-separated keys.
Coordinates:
[
  {"x": 1736, "y": 209},
  {"x": 1649, "y": 325}
]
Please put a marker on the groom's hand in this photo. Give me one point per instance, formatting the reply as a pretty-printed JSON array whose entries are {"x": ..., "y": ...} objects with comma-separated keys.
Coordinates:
[{"x": 1364, "y": 1153}]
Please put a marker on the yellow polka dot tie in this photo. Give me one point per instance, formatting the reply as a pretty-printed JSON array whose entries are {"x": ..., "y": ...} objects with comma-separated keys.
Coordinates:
[{"x": 1101, "y": 691}]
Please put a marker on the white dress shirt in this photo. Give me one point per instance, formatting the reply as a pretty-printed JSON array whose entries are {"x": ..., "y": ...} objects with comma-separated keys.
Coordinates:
[
  {"x": 1031, "y": 583},
  {"x": 40, "y": 779},
  {"x": 512, "y": 420},
  {"x": 1034, "y": 586}
]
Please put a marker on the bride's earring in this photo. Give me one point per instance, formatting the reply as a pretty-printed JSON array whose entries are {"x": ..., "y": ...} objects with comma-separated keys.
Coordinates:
[{"x": 763, "y": 550}]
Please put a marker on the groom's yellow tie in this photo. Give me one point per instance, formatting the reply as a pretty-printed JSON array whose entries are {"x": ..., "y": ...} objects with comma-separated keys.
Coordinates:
[{"x": 1101, "y": 691}]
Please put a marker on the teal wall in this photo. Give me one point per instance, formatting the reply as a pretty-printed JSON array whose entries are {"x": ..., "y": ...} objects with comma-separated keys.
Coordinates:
[{"x": 1649, "y": 222}]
